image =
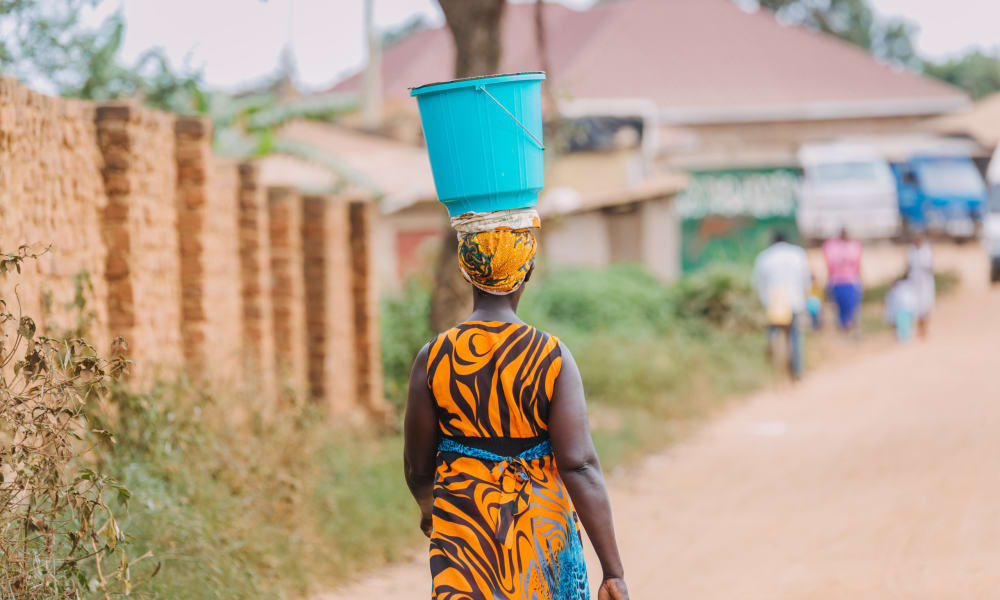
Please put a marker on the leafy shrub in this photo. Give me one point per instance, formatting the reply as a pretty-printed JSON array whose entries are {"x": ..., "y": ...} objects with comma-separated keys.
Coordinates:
[
  {"x": 61, "y": 533},
  {"x": 722, "y": 296},
  {"x": 240, "y": 499},
  {"x": 635, "y": 337},
  {"x": 405, "y": 323},
  {"x": 622, "y": 297}
]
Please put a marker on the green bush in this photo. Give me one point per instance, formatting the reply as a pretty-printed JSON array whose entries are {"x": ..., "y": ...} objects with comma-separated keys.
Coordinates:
[
  {"x": 637, "y": 340},
  {"x": 236, "y": 498},
  {"x": 405, "y": 323},
  {"x": 722, "y": 296},
  {"x": 620, "y": 298}
]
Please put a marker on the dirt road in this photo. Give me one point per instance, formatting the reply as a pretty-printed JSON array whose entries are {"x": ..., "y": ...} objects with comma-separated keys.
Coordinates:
[{"x": 876, "y": 477}]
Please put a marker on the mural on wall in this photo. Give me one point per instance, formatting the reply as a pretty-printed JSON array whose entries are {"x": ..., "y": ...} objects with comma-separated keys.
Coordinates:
[{"x": 729, "y": 216}]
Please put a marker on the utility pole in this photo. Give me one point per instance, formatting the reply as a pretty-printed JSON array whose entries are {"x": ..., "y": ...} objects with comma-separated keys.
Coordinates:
[{"x": 372, "y": 98}]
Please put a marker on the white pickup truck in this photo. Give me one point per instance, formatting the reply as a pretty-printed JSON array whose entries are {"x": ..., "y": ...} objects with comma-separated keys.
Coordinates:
[{"x": 846, "y": 185}]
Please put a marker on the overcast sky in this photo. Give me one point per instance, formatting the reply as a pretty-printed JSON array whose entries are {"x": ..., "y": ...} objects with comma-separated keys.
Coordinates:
[{"x": 235, "y": 41}]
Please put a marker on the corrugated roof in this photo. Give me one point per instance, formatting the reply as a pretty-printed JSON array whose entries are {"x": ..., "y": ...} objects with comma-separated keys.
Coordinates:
[{"x": 698, "y": 60}]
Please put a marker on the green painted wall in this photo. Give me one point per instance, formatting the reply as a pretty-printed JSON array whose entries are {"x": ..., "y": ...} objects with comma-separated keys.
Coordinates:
[{"x": 730, "y": 215}]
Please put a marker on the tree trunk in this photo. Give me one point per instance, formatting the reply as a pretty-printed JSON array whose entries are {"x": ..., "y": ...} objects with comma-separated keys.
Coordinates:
[{"x": 475, "y": 27}]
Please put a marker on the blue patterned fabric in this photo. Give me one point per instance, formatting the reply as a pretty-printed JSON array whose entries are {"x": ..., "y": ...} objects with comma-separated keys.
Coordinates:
[{"x": 447, "y": 445}]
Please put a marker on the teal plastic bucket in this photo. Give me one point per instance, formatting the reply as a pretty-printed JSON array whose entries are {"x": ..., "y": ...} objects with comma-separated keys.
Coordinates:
[{"x": 484, "y": 140}]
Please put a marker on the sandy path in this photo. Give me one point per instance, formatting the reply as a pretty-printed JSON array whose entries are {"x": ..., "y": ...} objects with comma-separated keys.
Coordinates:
[{"x": 876, "y": 477}]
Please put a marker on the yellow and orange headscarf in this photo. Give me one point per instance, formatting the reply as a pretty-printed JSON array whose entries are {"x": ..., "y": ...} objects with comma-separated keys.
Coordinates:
[{"x": 497, "y": 261}]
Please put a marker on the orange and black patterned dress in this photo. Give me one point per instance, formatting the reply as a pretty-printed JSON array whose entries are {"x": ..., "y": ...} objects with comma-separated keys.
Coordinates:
[{"x": 504, "y": 526}]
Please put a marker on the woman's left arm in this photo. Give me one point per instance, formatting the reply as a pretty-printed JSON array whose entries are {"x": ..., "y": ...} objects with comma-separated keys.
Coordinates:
[{"x": 420, "y": 440}]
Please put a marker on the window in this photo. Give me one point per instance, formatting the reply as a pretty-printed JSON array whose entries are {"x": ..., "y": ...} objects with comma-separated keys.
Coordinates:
[
  {"x": 950, "y": 178},
  {"x": 848, "y": 171}
]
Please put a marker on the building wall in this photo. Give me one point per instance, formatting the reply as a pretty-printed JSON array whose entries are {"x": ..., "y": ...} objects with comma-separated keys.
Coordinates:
[
  {"x": 661, "y": 238},
  {"x": 579, "y": 239},
  {"x": 647, "y": 232},
  {"x": 406, "y": 242},
  {"x": 176, "y": 250},
  {"x": 625, "y": 232}
]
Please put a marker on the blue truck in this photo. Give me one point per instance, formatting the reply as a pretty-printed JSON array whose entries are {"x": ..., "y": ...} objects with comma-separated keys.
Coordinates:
[{"x": 941, "y": 192}]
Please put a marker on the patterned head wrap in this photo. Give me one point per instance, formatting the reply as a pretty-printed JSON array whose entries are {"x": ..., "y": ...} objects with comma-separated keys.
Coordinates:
[{"x": 496, "y": 261}]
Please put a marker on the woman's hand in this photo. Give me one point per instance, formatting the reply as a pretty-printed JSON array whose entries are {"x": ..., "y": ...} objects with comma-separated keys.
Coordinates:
[
  {"x": 613, "y": 588},
  {"x": 425, "y": 525}
]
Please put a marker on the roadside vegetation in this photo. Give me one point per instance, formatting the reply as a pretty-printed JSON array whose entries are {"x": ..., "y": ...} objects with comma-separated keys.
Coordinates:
[{"x": 186, "y": 492}]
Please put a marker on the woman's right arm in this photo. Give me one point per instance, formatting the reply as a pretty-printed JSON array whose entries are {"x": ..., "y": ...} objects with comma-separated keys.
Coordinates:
[{"x": 580, "y": 470}]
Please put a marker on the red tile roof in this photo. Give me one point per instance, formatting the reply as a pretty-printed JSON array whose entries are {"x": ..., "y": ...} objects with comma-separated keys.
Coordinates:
[{"x": 698, "y": 60}]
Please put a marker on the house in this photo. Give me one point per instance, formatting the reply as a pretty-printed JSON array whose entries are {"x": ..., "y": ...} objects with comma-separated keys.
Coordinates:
[
  {"x": 725, "y": 94},
  {"x": 588, "y": 220},
  {"x": 716, "y": 75}
]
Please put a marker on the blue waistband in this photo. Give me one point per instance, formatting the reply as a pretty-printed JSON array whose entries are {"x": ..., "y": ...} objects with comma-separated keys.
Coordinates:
[{"x": 539, "y": 451}]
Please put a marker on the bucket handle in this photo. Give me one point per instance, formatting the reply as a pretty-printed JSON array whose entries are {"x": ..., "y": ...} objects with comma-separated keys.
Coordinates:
[{"x": 511, "y": 115}]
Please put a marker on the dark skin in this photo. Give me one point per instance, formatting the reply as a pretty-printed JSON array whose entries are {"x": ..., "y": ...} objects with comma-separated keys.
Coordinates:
[{"x": 569, "y": 431}]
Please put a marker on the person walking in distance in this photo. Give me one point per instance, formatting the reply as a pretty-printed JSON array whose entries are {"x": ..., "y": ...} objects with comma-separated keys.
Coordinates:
[
  {"x": 497, "y": 450},
  {"x": 920, "y": 274},
  {"x": 843, "y": 267},
  {"x": 782, "y": 279}
]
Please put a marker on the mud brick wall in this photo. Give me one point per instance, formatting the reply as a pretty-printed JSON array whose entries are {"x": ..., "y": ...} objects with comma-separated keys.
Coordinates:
[
  {"x": 255, "y": 273},
  {"x": 223, "y": 286},
  {"x": 288, "y": 285},
  {"x": 329, "y": 307},
  {"x": 140, "y": 234},
  {"x": 184, "y": 254},
  {"x": 207, "y": 205},
  {"x": 51, "y": 194},
  {"x": 367, "y": 350}
]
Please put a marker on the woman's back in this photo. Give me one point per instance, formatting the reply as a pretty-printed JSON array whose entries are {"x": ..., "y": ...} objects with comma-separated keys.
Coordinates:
[{"x": 493, "y": 379}]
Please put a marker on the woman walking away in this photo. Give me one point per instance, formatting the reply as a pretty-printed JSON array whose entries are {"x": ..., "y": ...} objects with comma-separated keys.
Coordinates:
[
  {"x": 498, "y": 454},
  {"x": 843, "y": 267},
  {"x": 920, "y": 273}
]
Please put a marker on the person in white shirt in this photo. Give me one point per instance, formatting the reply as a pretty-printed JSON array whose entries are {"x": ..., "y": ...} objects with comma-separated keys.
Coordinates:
[
  {"x": 920, "y": 273},
  {"x": 782, "y": 279}
]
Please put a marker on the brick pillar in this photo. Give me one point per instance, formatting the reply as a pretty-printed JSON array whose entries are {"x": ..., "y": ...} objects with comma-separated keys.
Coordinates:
[
  {"x": 114, "y": 141},
  {"x": 255, "y": 275},
  {"x": 139, "y": 227},
  {"x": 368, "y": 359},
  {"x": 329, "y": 307},
  {"x": 193, "y": 151},
  {"x": 287, "y": 285}
]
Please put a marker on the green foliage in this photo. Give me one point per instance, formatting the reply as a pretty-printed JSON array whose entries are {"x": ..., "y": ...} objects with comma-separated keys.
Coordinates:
[
  {"x": 977, "y": 72},
  {"x": 239, "y": 498},
  {"x": 46, "y": 42},
  {"x": 408, "y": 28},
  {"x": 61, "y": 531},
  {"x": 328, "y": 107},
  {"x": 405, "y": 329},
  {"x": 623, "y": 298},
  {"x": 635, "y": 338},
  {"x": 721, "y": 296}
]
